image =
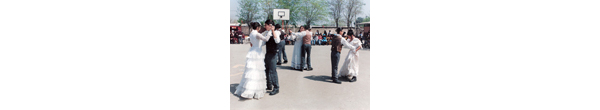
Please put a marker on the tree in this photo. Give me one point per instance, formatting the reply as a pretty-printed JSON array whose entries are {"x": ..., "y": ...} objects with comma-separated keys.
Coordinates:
[
  {"x": 353, "y": 8},
  {"x": 249, "y": 11},
  {"x": 312, "y": 11},
  {"x": 240, "y": 20},
  {"x": 293, "y": 6},
  {"x": 359, "y": 20},
  {"x": 367, "y": 19},
  {"x": 335, "y": 10},
  {"x": 267, "y": 7}
]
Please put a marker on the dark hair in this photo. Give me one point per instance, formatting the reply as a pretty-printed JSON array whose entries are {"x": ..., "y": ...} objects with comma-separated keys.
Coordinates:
[
  {"x": 306, "y": 27},
  {"x": 277, "y": 26},
  {"x": 254, "y": 25},
  {"x": 338, "y": 30},
  {"x": 350, "y": 32},
  {"x": 269, "y": 21}
]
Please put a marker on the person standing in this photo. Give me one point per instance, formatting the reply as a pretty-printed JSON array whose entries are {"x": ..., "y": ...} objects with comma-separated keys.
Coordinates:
[
  {"x": 336, "y": 47},
  {"x": 231, "y": 35},
  {"x": 298, "y": 36},
  {"x": 350, "y": 67},
  {"x": 271, "y": 58},
  {"x": 281, "y": 46},
  {"x": 254, "y": 77},
  {"x": 240, "y": 36},
  {"x": 305, "y": 55}
]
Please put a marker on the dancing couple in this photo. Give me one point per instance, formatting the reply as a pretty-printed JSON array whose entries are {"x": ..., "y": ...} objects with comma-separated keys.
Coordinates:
[
  {"x": 302, "y": 48},
  {"x": 260, "y": 72},
  {"x": 350, "y": 67}
]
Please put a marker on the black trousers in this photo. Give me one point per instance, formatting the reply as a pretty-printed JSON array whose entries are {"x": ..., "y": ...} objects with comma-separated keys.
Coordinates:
[
  {"x": 335, "y": 59},
  {"x": 271, "y": 72},
  {"x": 305, "y": 56},
  {"x": 281, "y": 52}
]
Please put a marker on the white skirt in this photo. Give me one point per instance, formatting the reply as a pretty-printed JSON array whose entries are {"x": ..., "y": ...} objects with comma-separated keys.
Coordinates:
[
  {"x": 350, "y": 66},
  {"x": 296, "y": 58},
  {"x": 254, "y": 80}
]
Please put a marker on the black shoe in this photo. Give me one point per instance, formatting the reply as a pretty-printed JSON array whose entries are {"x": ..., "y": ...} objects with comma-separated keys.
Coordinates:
[
  {"x": 309, "y": 69},
  {"x": 269, "y": 88},
  {"x": 274, "y": 92},
  {"x": 337, "y": 81},
  {"x": 278, "y": 63},
  {"x": 353, "y": 79},
  {"x": 285, "y": 61}
]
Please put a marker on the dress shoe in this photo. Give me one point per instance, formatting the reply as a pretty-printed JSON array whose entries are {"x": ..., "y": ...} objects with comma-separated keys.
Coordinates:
[
  {"x": 269, "y": 88},
  {"x": 353, "y": 79},
  {"x": 285, "y": 61},
  {"x": 278, "y": 63},
  {"x": 309, "y": 69},
  {"x": 337, "y": 81},
  {"x": 274, "y": 92}
]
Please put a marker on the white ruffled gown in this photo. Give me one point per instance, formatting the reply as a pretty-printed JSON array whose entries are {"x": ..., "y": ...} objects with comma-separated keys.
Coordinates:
[
  {"x": 350, "y": 66},
  {"x": 254, "y": 80},
  {"x": 297, "y": 49}
]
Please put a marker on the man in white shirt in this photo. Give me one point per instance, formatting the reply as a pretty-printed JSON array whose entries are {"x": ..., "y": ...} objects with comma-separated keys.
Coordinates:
[{"x": 281, "y": 46}]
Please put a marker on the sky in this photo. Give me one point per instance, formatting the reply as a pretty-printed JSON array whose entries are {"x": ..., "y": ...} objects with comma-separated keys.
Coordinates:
[{"x": 233, "y": 7}]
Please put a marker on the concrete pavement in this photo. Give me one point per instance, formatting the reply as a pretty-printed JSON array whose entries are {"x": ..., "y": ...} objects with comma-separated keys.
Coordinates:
[{"x": 308, "y": 89}]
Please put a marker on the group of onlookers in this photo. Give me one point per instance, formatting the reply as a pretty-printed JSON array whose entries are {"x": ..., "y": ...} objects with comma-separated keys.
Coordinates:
[
  {"x": 319, "y": 38},
  {"x": 236, "y": 37}
]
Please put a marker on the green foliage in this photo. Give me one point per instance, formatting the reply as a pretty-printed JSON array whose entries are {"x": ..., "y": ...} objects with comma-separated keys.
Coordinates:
[
  {"x": 359, "y": 20},
  {"x": 293, "y": 6},
  {"x": 312, "y": 11}
]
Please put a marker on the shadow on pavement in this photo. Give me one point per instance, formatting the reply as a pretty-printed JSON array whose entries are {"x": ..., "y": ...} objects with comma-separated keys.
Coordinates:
[
  {"x": 286, "y": 67},
  {"x": 232, "y": 88},
  {"x": 325, "y": 78},
  {"x": 319, "y": 78}
]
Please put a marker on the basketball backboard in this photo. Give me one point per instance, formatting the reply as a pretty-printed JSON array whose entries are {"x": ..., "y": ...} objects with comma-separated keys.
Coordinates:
[{"x": 281, "y": 14}]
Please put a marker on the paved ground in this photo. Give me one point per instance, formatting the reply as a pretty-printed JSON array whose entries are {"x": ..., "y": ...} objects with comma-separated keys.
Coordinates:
[{"x": 308, "y": 89}]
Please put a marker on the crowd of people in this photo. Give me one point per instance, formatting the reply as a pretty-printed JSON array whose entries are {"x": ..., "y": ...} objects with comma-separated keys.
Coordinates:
[
  {"x": 324, "y": 38},
  {"x": 260, "y": 72},
  {"x": 236, "y": 37},
  {"x": 318, "y": 38}
]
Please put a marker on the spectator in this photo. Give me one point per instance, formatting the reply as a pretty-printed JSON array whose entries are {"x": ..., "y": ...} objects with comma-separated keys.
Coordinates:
[
  {"x": 231, "y": 37},
  {"x": 240, "y": 36}
]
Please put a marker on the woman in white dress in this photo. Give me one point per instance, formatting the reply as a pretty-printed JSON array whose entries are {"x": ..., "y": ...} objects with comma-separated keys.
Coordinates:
[
  {"x": 298, "y": 48},
  {"x": 253, "y": 84},
  {"x": 350, "y": 67}
]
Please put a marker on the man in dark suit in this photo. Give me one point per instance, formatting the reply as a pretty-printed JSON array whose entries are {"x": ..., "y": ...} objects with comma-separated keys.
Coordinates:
[{"x": 272, "y": 46}]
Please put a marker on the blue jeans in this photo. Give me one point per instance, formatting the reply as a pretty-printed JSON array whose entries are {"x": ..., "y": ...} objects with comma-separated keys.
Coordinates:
[
  {"x": 305, "y": 53},
  {"x": 335, "y": 59},
  {"x": 281, "y": 52}
]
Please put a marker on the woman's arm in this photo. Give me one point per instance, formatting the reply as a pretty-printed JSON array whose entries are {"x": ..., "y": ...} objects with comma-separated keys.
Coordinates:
[
  {"x": 345, "y": 43},
  {"x": 299, "y": 33},
  {"x": 261, "y": 37}
]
